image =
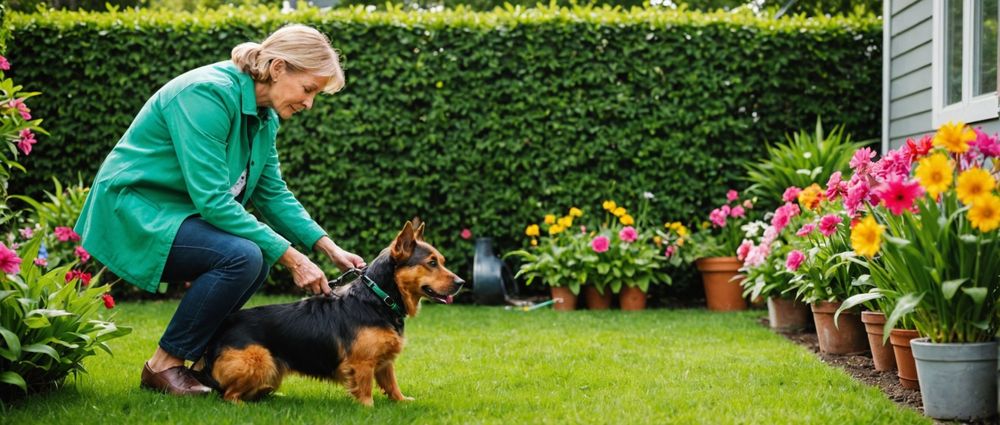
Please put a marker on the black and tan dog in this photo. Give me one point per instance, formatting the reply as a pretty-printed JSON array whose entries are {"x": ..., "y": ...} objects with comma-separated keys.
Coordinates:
[{"x": 351, "y": 337}]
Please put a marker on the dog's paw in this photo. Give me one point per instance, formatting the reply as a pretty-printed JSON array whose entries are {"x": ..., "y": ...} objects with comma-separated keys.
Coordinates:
[{"x": 404, "y": 399}]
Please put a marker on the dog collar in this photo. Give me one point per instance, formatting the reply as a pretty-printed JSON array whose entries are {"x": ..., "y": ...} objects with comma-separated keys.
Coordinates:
[{"x": 381, "y": 294}]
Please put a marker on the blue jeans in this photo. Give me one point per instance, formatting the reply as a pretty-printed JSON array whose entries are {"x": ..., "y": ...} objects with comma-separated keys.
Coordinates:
[{"x": 224, "y": 271}]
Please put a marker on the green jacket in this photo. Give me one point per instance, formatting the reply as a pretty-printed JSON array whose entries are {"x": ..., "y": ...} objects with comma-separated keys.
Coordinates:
[{"x": 180, "y": 157}]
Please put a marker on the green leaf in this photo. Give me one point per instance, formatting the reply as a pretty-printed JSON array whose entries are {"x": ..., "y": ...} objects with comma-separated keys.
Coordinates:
[
  {"x": 948, "y": 288},
  {"x": 12, "y": 378},
  {"x": 905, "y": 305},
  {"x": 12, "y": 341},
  {"x": 42, "y": 349},
  {"x": 978, "y": 294}
]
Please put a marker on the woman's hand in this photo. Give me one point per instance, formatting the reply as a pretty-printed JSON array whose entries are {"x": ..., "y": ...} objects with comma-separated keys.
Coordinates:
[
  {"x": 342, "y": 259},
  {"x": 305, "y": 273}
]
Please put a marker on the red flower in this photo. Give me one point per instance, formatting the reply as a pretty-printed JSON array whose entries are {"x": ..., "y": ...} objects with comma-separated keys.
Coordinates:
[
  {"x": 917, "y": 150},
  {"x": 109, "y": 301},
  {"x": 82, "y": 254},
  {"x": 466, "y": 234},
  {"x": 66, "y": 234}
]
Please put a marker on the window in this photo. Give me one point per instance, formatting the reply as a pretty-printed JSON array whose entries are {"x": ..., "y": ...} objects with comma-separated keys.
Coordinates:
[{"x": 965, "y": 61}]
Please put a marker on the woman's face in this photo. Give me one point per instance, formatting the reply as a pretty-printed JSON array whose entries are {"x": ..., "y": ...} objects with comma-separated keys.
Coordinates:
[{"x": 293, "y": 92}]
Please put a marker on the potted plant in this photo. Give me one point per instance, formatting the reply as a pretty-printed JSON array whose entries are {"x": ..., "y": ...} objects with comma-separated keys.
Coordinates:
[
  {"x": 940, "y": 249},
  {"x": 713, "y": 250},
  {"x": 556, "y": 258}
]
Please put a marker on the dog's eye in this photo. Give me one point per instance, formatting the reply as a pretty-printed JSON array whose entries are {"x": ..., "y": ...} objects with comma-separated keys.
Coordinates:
[{"x": 432, "y": 263}]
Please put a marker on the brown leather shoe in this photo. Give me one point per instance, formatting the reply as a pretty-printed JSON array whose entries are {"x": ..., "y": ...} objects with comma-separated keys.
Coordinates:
[{"x": 175, "y": 381}]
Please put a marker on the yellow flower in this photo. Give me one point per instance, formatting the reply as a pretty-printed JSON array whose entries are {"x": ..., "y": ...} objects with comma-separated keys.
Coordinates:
[
  {"x": 575, "y": 212},
  {"x": 985, "y": 213},
  {"x": 534, "y": 242},
  {"x": 627, "y": 220},
  {"x": 618, "y": 212},
  {"x": 555, "y": 229},
  {"x": 935, "y": 174},
  {"x": 811, "y": 196},
  {"x": 550, "y": 218},
  {"x": 673, "y": 226},
  {"x": 565, "y": 221},
  {"x": 657, "y": 240},
  {"x": 680, "y": 242},
  {"x": 954, "y": 137},
  {"x": 609, "y": 205},
  {"x": 682, "y": 231},
  {"x": 532, "y": 230},
  {"x": 866, "y": 237},
  {"x": 973, "y": 184}
]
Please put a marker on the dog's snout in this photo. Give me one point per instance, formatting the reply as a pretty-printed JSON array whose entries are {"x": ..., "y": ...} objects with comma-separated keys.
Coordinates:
[{"x": 458, "y": 282}]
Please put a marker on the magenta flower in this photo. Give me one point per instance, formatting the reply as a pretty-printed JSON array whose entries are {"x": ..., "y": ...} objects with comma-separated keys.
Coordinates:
[
  {"x": 600, "y": 244},
  {"x": 466, "y": 234},
  {"x": 835, "y": 186},
  {"x": 718, "y": 217},
  {"x": 737, "y": 212},
  {"x": 806, "y": 229},
  {"x": 82, "y": 254},
  {"x": 857, "y": 194},
  {"x": 41, "y": 262},
  {"x": 66, "y": 234},
  {"x": 989, "y": 146},
  {"x": 828, "y": 224},
  {"x": 4, "y": 64},
  {"x": 795, "y": 259},
  {"x": 9, "y": 261},
  {"x": 898, "y": 194},
  {"x": 670, "y": 251},
  {"x": 21, "y": 108},
  {"x": 895, "y": 163},
  {"x": 744, "y": 249},
  {"x": 628, "y": 234},
  {"x": 732, "y": 195},
  {"x": 862, "y": 160},
  {"x": 783, "y": 215},
  {"x": 27, "y": 232},
  {"x": 791, "y": 194},
  {"x": 27, "y": 139}
]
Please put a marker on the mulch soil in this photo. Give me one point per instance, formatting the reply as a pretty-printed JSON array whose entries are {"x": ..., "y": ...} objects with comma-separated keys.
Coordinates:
[{"x": 861, "y": 368}]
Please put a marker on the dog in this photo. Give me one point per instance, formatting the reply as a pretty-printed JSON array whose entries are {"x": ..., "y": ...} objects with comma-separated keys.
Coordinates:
[{"x": 351, "y": 336}]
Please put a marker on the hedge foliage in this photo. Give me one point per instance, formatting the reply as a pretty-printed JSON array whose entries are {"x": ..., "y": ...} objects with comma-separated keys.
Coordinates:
[{"x": 471, "y": 120}]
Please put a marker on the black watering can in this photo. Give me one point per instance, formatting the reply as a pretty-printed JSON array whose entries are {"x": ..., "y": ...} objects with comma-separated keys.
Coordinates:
[{"x": 492, "y": 281}]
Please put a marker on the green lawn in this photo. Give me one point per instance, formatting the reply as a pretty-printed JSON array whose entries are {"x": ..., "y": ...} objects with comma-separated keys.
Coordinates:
[{"x": 466, "y": 364}]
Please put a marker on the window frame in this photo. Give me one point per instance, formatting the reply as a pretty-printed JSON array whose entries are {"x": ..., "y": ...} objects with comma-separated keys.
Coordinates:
[{"x": 971, "y": 108}]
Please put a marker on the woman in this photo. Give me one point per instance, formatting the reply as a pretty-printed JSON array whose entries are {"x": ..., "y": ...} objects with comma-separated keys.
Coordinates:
[{"x": 168, "y": 204}]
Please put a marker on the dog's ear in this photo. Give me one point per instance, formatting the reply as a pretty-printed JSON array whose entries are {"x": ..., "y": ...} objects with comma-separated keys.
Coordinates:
[
  {"x": 404, "y": 244},
  {"x": 418, "y": 226}
]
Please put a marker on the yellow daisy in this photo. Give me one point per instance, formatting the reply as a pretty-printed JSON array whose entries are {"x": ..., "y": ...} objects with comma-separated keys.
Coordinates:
[
  {"x": 532, "y": 230},
  {"x": 555, "y": 229},
  {"x": 985, "y": 213},
  {"x": 618, "y": 212},
  {"x": 575, "y": 212},
  {"x": 565, "y": 221},
  {"x": 609, "y": 205},
  {"x": 954, "y": 137},
  {"x": 935, "y": 174},
  {"x": 973, "y": 184},
  {"x": 627, "y": 220},
  {"x": 866, "y": 237},
  {"x": 534, "y": 242}
]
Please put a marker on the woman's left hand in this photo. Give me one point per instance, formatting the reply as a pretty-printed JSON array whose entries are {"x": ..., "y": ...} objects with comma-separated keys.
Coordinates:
[{"x": 342, "y": 259}]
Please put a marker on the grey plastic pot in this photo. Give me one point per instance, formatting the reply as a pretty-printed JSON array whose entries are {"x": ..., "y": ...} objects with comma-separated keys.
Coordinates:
[{"x": 957, "y": 381}]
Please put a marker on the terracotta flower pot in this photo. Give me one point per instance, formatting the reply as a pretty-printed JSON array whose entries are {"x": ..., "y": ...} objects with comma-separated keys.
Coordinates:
[
  {"x": 632, "y": 298},
  {"x": 788, "y": 314},
  {"x": 568, "y": 298},
  {"x": 847, "y": 337},
  {"x": 596, "y": 300},
  {"x": 905, "y": 364},
  {"x": 882, "y": 354},
  {"x": 722, "y": 291}
]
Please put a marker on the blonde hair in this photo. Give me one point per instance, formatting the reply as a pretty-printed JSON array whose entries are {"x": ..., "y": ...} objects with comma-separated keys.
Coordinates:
[{"x": 303, "y": 48}]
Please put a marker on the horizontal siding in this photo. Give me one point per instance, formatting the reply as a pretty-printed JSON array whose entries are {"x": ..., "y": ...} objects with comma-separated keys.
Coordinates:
[
  {"x": 910, "y": 73},
  {"x": 911, "y": 60},
  {"x": 911, "y": 17},
  {"x": 910, "y": 105}
]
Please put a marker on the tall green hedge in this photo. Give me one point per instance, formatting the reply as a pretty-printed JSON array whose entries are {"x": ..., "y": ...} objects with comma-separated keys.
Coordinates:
[{"x": 476, "y": 120}]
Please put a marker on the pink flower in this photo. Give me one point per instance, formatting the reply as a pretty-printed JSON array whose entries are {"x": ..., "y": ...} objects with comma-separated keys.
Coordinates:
[
  {"x": 744, "y": 249},
  {"x": 894, "y": 163},
  {"x": 828, "y": 224},
  {"x": 718, "y": 217},
  {"x": 670, "y": 251},
  {"x": 757, "y": 255},
  {"x": 82, "y": 254},
  {"x": 862, "y": 160},
  {"x": 9, "y": 261},
  {"x": 66, "y": 234},
  {"x": 857, "y": 194},
  {"x": 27, "y": 139},
  {"x": 41, "y": 262},
  {"x": 835, "y": 186},
  {"x": 898, "y": 194},
  {"x": 466, "y": 234},
  {"x": 583, "y": 229},
  {"x": 4, "y": 64},
  {"x": 737, "y": 212},
  {"x": 783, "y": 215},
  {"x": 795, "y": 259},
  {"x": 27, "y": 232},
  {"x": 732, "y": 195},
  {"x": 806, "y": 229},
  {"x": 109, "y": 301},
  {"x": 989, "y": 146},
  {"x": 628, "y": 234},
  {"x": 600, "y": 244},
  {"x": 747, "y": 204},
  {"x": 21, "y": 108},
  {"x": 791, "y": 194}
]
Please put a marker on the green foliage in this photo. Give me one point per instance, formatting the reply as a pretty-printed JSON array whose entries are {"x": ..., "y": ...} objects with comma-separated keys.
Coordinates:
[
  {"x": 478, "y": 120},
  {"x": 802, "y": 160},
  {"x": 62, "y": 207},
  {"x": 48, "y": 325}
]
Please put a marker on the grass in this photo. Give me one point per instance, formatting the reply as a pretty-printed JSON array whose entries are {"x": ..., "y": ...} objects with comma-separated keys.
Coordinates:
[{"x": 466, "y": 364}]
